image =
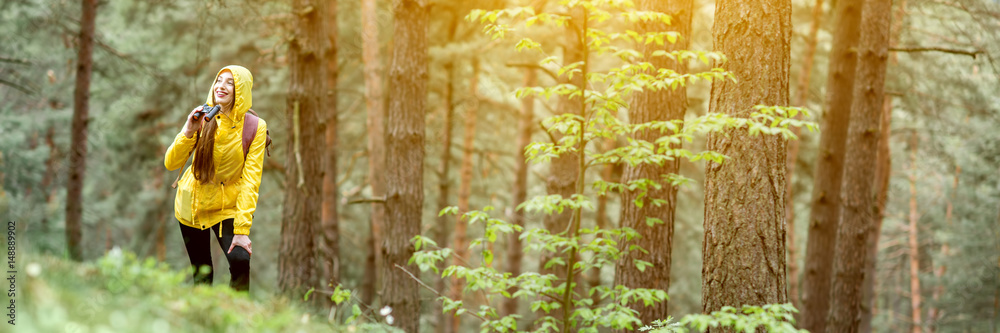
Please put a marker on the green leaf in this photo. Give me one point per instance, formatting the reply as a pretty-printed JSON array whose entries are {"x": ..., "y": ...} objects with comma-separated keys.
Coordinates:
[
  {"x": 306, "y": 297},
  {"x": 488, "y": 257}
]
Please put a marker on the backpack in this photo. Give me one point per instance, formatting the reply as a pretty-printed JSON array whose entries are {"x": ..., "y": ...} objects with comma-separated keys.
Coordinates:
[
  {"x": 250, "y": 126},
  {"x": 250, "y": 120}
]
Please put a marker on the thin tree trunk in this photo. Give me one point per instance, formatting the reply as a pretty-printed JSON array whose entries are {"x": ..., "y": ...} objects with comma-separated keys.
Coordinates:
[
  {"x": 793, "y": 156},
  {"x": 301, "y": 214},
  {"x": 163, "y": 213},
  {"x": 405, "y": 158},
  {"x": 995, "y": 323},
  {"x": 520, "y": 191},
  {"x": 647, "y": 106},
  {"x": 564, "y": 170},
  {"x": 912, "y": 245},
  {"x": 441, "y": 227},
  {"x": 934, "y": 314},
  {"x": 883, "y": 172},
  {"x": 376, "y": 141},
  {"x": 594, "y": 275},
  {"x": 744, "y": 242},
  {"x": 826, "y": 205},
  {"x": 78, "y": 150},
  {"x": 460, "y": 244},
  {"x": 330, "y": 242},
  {"x": 858, "y": 214},
  {"x": 50, "y": 173}
]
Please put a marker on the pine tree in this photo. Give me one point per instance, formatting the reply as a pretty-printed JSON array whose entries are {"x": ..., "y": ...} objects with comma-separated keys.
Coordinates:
[
  {"x": 825, "y": 213},
  {"x": 858, "y": 214},
  {"x": 298, "y": 267},
  {"x": 329, "y": 244},
  {"x": 78, "y": 152},
  {"x": 376, "y": 142},
  {"x": 405, "y": 159},
  {"x": 646, "y": 106},
  {"x": 744, "y": 246}
]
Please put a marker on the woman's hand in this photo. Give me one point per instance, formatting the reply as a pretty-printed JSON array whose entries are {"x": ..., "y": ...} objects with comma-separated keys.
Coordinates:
[
  {"x": 241, "y": 241},
  {"x": 193, "y": 123}
]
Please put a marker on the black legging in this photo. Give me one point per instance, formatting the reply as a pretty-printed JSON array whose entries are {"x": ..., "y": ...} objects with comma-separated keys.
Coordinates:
[{"x": 198, "y": 244}]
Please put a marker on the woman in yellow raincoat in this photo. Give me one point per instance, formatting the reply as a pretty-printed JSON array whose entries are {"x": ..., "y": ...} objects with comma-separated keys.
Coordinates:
[{"x": 219, "y": 191}]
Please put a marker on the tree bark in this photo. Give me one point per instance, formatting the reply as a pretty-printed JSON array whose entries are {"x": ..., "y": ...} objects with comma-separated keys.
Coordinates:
[
  {"x": 50, "y": 173},
  {"x": 525, "y": 124},
  {"x": 912, "y": 241},
  {"x": 441, "y": 228},
  {"x": 78, "y": 150},
  {"x": 301, "y": 213},
  {"x": 744, "y": 246},
  {"x": 563, "y": 170},
  {"x": 883, "y": 172},
  {"x": 601, "y": 220},
  {"x": 858, "y": 213},
  {"x": 330, "y": 242},
  {"x": 460, "y": 244},
  {"x": 647, "y": 106},
  {"x": 826, "y": 205},
  {"x": 934, "y": 314},
  {"x": 376, "y": 140},
  {"x": 405, "y": 158},
  {"x": 802, "y": 100}
]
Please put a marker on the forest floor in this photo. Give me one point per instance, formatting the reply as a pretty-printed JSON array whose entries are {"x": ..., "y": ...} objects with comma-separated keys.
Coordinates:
[{"x": 119, "y": 293}]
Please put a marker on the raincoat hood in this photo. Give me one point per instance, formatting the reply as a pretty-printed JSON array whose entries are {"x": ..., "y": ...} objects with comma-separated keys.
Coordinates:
[{"x": 242, "y": 83}]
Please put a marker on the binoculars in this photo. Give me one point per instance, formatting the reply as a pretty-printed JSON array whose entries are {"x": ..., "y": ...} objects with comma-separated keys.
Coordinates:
[{"x": 208, "y": 112}]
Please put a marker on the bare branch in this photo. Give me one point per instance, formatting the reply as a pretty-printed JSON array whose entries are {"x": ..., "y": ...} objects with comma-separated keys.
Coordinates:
[
  {"x": 15, "y": 61},
  {"x": 16, "y": 86},
  {"x": 535, "y": 66},
  {"x": 380, "y": 200},
  {"x": 422, "y": 284},
  {"x": 972, "y": 54},
  {"x": 546, "y": 130}
]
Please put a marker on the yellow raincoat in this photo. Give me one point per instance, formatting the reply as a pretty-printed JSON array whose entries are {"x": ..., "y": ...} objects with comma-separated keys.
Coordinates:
[{"x": 233, "y": 193}]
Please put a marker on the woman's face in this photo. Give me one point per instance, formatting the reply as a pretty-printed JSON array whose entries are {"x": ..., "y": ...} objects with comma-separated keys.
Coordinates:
[{"x": 224, "y": 89}]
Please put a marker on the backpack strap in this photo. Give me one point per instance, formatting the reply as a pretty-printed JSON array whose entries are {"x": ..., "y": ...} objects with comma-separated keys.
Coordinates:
[{"x": 250, "y": 120}]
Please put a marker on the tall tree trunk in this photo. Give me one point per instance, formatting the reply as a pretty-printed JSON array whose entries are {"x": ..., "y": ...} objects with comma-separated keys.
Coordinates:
[
  {"x": 441, "y": 227},
  {"x": 405, "y": 157},
  {"x": 601, "y": 220},
  {"x": 912, "y": 241},
  {"x": 995, "y": 323},
  {"x": 301, "y": 213},
  {"x": 563, "y": 170},
  {"x": 858, "y": 214},
  {"x": 78, "y": 150},
  {"x": 330, "y": 242},
  {"x": 50, "y": 173},
  {"x": 826, "y": 205},
  {"x": 883, "y": 172},
  {"x": 802, "y": 99},
  {"x": 525, "y": 123},
  {"x": 934, "y": 314},
  {"x": 163, "y": 213},
  {"x": 744, "y": 246},
  {"x": 647, "y": 106},
  {"x": 376, "y": 140},
  {"x": 460, "y": 244}
]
